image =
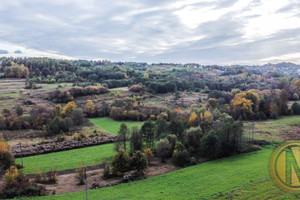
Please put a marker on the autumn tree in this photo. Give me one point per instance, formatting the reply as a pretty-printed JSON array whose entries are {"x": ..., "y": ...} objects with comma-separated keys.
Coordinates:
[
  {"x": 297, "y": 84},
  {"x": 69, "y": 108},
  {"x": 6, "y": 157},
  {"x": 148, "y": 154},
  {"x": 40, "y": 115},
  {"x": 11, "y": 174},
  {"x": 206, "y": 120},
  {"x": 90, "y": 107},
  {"x": 245, "y": 104},
  {"x": 57, "y": 110},
  {"x": 193, "y": 121}
]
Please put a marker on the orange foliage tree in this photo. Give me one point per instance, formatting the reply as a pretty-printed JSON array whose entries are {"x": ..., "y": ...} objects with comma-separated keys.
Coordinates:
[{"x": 193, "y": 119}]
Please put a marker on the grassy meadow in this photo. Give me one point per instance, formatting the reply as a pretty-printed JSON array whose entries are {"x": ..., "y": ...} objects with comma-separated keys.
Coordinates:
[
  {"x": 273, "y": 130},
  {"x": 243, "y": 176},
  {"x": 67, "y": 159},
  {"x": 113, "y": 126}
]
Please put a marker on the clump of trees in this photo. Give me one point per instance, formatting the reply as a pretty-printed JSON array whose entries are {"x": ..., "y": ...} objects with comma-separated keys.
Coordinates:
[
  {"x": 63, "y": 96},
  {"x": 16, "y": 71},
  {"x": 52, "y": 120}
]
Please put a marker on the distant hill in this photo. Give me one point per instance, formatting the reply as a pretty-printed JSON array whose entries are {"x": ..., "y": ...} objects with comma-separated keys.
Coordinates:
[{"x": 3, "y": 51}]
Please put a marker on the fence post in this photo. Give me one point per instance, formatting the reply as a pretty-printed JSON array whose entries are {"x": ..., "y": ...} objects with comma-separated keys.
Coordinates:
[
  {"x": 85, "y": 182},
  {"x": 21, "y": 154}
]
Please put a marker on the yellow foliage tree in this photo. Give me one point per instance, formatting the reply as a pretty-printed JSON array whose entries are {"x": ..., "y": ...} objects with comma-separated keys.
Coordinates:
[
  {"x": 148, "y": 154},
  {"x": 11, "y": 174},
  {"x": 69, "y": 108},
  {"x": 245, "y": 103},
  {"x": 242, "y": 106},
  {"x": 297, "y": 84},
  {"x": 90, "y": 106},
  {"x": 207, "y": 116},
  {"x": 57, "y": 110},
  {"x": 193, "y": 119}
]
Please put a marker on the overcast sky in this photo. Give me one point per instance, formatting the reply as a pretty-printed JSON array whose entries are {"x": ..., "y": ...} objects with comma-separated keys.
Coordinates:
[{"x": 202, "y": 31}]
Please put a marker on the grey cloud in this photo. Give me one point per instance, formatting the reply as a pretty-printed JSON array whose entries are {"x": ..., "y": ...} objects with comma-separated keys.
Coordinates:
[{"x": 138, "y": 30}]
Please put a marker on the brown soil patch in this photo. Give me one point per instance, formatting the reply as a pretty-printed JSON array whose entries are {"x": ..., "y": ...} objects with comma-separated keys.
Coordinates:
[
  {"x": 67, "y": 182},
  {"x": 263, "y": 132},
  {"x": 292, "y": 134}
]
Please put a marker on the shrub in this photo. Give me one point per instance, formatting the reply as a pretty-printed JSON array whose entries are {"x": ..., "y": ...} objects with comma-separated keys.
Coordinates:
[
  {"x": 80, "y": 175},
  {"x": 79, "y": 137},
  {"x": 106, "y": 172},
  {"x": 138, "y": 162},
  {"x": 52, "y": 176},
  {"x": 148, "y": 154},
  {"x": 11, "y": 174},
  {"x": 135, "y": 88},
  {"x": 19, "y": 110},
  {"x": 21, "y": 187},
  {"x": 61, "y": 138},
  {"x": 163, "y": 149},
  {"x": 121, "y": 162},
  {"x": 6, "y": 157},
  {"x": 172, "y": 140},
  {"x": 77, "y": 116},
  {"x": 296, "y": 108},
  {"x": 193, "y": 161},
  {"x": 38, "y": 176},
  {"x": 181, "y": 159}
]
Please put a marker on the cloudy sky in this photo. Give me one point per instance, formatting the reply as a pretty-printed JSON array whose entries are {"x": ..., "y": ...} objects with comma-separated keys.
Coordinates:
[{"x": 202, "y": 31}]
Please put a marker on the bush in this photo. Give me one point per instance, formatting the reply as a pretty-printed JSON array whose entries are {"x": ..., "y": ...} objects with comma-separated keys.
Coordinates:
[
  {"x": 121, "y": 162},
  {"x": 21, "y": 187},
  {"x": 148, "y": 154},
  {"x": 193, "y": 161},
  {"x": 138, "y": 162},
  {"x": 80, "y": 175},
  {"x": 77, "y": 116},
  {"x": 163, "y": 149},
  {"x": 181, "y": 159},
  {"x": 52, "y": 176},
  {"x": 38, "y": 177},
  {"x": 296, "y": 108},
  {"x": 172, "y": 140},
  {"x": 135, "y": 88},
  {"x": 106, "y": 172},
  {"x": 11, "y": 174},
  {"x": 6, "y": 160}
]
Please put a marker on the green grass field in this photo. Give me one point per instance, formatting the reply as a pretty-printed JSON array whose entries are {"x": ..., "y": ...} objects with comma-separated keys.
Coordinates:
[
  {"x": 68, "y": 159},
  {"x": 113, "y": 126},
  {"x": 244, "y": 176},
  {"x": 273, "y": 129}
]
